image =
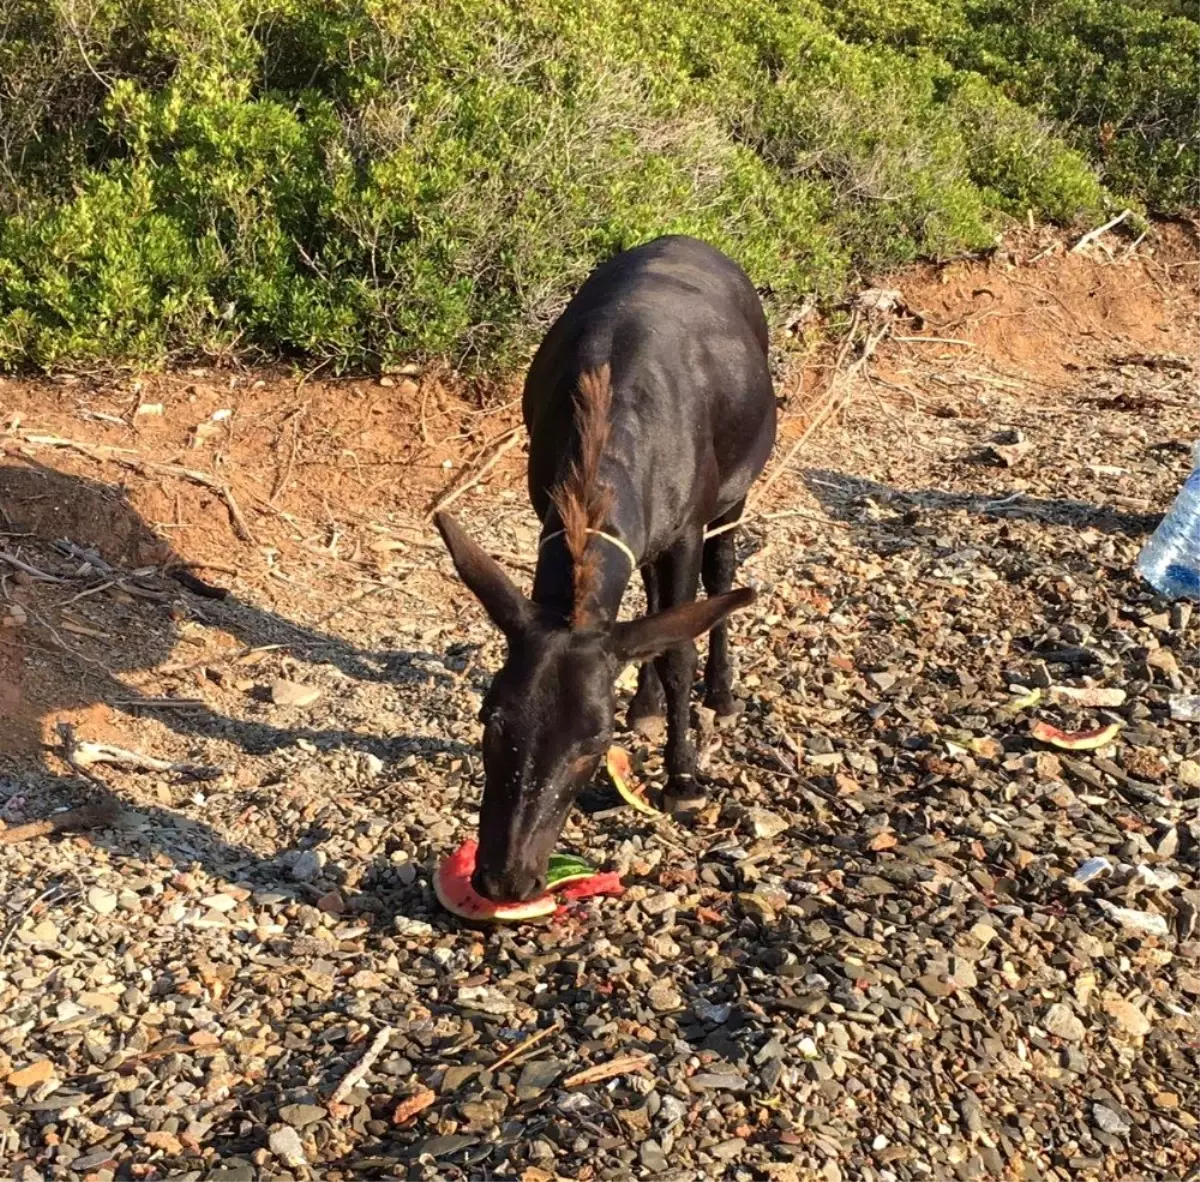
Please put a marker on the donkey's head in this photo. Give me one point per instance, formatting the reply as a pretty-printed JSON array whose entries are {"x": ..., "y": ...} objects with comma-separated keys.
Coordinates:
[{"x": 548, "y": 716}]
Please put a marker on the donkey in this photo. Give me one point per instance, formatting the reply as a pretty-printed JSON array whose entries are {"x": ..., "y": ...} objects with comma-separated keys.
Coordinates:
[{"x": 650, "y": 413}]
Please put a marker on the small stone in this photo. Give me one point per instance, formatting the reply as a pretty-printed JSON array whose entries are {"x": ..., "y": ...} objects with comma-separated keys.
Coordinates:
[
  {"x": 1109, "y": 1121},
  {"x": 1166, "y": 1100},
  {"x": 1063, "y": 1023},
  {"x": 306, "y": 865},
  {"x": 716, "y": 1081},
  {"x": 36, "y": 1073},
  {"x": 663, "y": 997},
  {"x": 101, "y": 901},
  {"x": 105, "y": 1003},
  {"x": 46, "y": 932},
  {"x": 219, "y": 902},
  {"x": 301, "y": 1115},
  {"x": 934, "y": 986},
  {"x": 167, "y": 1142},
  {"x": 447, "y": 1144},
  {"x": 536, "y": 1077},
  {"x": 727, "y": 1150},
  {"x": 371, "y": 764},
  {"x": 290, "y": 693},
  {"x": 1189, "y": 773},
  {"x": 285, "y": 1144},
  {"x": 765, "y": 823},
  {"x": 331, "y": 903},
  {"x": 484, "y": 998},
  {"x": 652, "y": 1156},
  {"x": 756, "y": 907},
  {"x": 1166, "y": 844},
  {"x": 1127, "y": 1016}
]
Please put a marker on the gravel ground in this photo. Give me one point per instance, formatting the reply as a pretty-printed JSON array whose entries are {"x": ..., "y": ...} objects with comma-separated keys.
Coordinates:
[{"x": 875, "y": 956}]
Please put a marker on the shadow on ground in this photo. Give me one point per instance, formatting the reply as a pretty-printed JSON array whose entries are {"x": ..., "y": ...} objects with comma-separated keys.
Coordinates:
[
  {"x": 48, "y": 669},
  {"x": 845, "y": 498}
]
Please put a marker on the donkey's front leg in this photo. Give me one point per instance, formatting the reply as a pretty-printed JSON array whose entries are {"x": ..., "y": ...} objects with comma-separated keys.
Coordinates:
[
  {"x": 678, "y": 574},
  {"x": 647, "y": 713}
]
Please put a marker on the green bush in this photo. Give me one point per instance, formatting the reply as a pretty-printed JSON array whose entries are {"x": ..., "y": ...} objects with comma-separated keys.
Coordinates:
[
  {"x": 364, "y": 181},
  {"x": 1119, "y": 78}
]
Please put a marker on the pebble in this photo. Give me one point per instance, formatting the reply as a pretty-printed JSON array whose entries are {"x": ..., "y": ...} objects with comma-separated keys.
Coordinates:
[
  {"x": 1131, "y": 1020},
  {"x": 101, "y": 901},
  {"x": 652, "y": 1156},
  {"x": 35, "y": 1073},
  {"x": 289, "y": 693},
  {"x": 302, "y": 1115},
  {"x": 663, "y": 997},
  {"x": 1061, "y": 1021},
  {"x": 1109, "y": 1121},
  {"x": 766, "y": 824},
  {"x": 286, "y": 1145}
]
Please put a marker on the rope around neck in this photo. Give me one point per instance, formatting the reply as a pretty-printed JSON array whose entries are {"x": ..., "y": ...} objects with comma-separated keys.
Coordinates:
[{"x": 599, "y": 533}]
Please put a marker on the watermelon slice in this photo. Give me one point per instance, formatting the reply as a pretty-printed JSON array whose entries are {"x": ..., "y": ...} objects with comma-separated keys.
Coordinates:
[
  {"x": 620, "y": 771},
  {"x": 1075, "y": 740},
  {"x": 455, "y": 892},
  {"x": 578, "y": 880}
]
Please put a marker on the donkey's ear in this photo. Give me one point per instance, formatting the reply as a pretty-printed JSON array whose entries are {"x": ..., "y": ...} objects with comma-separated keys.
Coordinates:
[
  {"x": 638, "y": 640},
  {"x": 509, "y": 610}
]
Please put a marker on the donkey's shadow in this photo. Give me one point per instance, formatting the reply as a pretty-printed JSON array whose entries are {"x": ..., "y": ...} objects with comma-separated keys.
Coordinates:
[{"x": 61, "y": 660}]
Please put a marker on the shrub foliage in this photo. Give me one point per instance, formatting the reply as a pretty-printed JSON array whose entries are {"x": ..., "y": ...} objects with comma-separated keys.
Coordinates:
[{"x": 364, "y": 181}]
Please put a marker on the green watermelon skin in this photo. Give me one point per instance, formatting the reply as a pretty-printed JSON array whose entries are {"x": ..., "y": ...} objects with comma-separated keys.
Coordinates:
[{"x": 565, "y": 868}]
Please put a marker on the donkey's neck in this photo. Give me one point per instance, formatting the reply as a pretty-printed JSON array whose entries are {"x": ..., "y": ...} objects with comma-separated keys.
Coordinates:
[{"x": 554, "y": 579}]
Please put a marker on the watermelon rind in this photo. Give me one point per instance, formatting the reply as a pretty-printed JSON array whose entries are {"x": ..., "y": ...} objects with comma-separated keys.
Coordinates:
[
  {"x": 565, "y": 868},
  {"x": 618, "y": 765},
  {"x": 1075, "y": 740}
]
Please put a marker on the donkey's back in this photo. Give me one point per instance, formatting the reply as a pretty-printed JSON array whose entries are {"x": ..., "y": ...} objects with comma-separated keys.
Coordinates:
[{"x": 681, "y": 331}]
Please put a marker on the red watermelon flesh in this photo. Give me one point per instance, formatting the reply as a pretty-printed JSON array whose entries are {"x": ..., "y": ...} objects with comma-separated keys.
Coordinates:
[
  {"x": 607, "y": 883},
  {"x": 455, "y": 892}
]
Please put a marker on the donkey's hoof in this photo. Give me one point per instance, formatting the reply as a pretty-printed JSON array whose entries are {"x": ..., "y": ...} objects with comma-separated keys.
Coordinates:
[
  {"x": 727, "y": 709},
  {"x": 684, "y": 798},
  {"x": 651, "y": 727}
]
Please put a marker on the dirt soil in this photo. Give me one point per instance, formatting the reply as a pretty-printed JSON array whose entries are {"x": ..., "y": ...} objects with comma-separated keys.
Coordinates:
[{"x": 871, "y": 957}]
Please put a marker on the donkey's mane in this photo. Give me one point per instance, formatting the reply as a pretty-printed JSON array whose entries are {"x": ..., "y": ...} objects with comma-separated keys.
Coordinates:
[{"x": 582, "y": 500}]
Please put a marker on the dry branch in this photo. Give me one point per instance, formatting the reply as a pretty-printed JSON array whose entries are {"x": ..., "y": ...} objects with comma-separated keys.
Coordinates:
[
  {"x": 623, "y": 1065},
  {"x": 1092, "y": 235},
  {"x": 355, "y": 1074},
  {"x": 505, "y": 443},
  {"x": 88, "y": 816}
]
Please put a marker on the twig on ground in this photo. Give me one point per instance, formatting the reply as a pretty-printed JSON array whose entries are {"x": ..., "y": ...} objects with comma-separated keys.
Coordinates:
[
  {"x": 128, "y": 458},
  {"x": 936, "y": 341},
  {"x": 159, "y": 703},
  {"x": 1092, "y": 235},
  {"x": 88, "y": 816},
  {"x": 507, "y": 441},
  {"x": 33, "y": 571},
  {"x": 81, "y": 755},
  {"x": 622, "y": 1065},
  {"x": 528, "y": 1044},
  {"x": 31, "y": 906},
  {"x": 355, "y": 1074},
  {"x": 197, "y": 586}
]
